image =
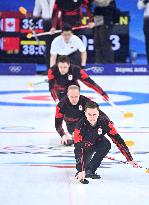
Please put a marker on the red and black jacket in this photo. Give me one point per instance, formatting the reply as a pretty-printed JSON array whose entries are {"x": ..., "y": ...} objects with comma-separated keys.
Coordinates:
[
  {"x": 70, "y": 13},
  {"x": 71, "y": 114},
  {"x": 86, "y": 136},
  {"x": 58, "y": 83}
]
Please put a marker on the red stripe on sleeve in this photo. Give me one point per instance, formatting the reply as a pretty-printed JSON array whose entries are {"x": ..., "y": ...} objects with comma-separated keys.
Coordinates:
[
  {"x": 50, "y": 74},
  {"x": 84, "y": 75},
  {"x": 58, "y": 113},
  {"x": 113, "y": 130},
  {"x": 123, "y": 150},
  {"x": 54, "y": 94}
]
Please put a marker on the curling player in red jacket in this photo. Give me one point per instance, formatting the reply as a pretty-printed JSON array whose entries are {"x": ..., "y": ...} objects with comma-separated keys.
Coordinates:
[
  {"x": 64, "y": 74},
  {"x": 70, "y": 109},
  {"x": 91, "y": 145}
]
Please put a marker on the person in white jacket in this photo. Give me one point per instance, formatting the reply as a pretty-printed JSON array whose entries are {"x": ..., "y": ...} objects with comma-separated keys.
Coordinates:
[
  {"x": 144, "y": 4},
  {"x": 44, "y": 9}
]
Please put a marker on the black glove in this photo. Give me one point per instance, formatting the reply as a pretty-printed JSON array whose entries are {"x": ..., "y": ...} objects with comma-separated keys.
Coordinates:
[
  {"x": 69, "y": 142},
  {"x": 83, "y": 66}
]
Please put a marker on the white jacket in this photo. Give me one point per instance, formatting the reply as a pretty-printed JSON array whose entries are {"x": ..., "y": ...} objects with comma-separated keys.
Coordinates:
[{"x": 43, "y": 8}]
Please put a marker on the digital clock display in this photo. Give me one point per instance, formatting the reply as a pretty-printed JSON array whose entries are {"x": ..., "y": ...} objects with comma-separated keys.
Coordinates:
[
  {"x": 33, "y": 50},
  {"x": 27, "y": 23},
  {"x": 31, "y": 47}
]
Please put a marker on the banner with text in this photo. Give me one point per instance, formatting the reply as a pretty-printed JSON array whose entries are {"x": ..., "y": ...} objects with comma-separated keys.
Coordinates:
[{"x": 117, "y": 69}]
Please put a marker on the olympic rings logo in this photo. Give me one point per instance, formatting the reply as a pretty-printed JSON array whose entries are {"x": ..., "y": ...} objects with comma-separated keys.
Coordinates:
[
  {"x": 96, "y": 69},
  {"x": 15, "y": 68}
]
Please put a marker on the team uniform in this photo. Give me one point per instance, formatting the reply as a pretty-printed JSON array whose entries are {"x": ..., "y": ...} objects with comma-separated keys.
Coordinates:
[
  {"x": 89, "y": 140},
  {"x": 73, "y": 48},
  {"x": 58, "y": 83},
  {"x": 70, "y": 12},
  {"x": 71, "y": 114}
]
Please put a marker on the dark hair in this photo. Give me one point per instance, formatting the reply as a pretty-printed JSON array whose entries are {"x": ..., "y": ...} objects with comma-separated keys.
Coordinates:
[
  {"x": 63, "y": 59},
  {"x": 66, "y": 27},
  {"x": 91, "y": 105}
]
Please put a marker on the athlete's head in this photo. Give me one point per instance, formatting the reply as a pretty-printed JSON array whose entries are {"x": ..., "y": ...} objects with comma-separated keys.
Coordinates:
[
  {"x": 63, "y": 64},
  {"x": 66, "y": 32},
  {"x": 92, "y": 112},
  {"x": 73, "y": 94}
]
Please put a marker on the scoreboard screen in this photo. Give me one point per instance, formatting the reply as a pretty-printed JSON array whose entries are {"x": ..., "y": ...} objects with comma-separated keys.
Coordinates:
[{"x": 16, "y": 48}]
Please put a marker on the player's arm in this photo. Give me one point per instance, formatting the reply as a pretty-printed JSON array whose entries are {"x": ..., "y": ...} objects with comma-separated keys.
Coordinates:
[
  {"x": 82, "y": 49},
  {"x": 53, "y": 59},
  {"x": 117, "y": 139},
  {"x": 83, "y": 58},
  {"x": 53, "y": 52},
  {"x": 84, "y": 77},
  {"x": 58, "y": 121},
  {"x": 59, "y": 117},
  {"x": 79, "y": 151},
  {"x": 51, "y": 80}
]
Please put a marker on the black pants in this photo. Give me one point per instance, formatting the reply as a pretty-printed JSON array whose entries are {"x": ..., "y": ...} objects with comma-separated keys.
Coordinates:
[
  {"x": 146, "y": 34},
  {"x": 48, "y": 39},
  {"x": 75, "y": 58},
  {"x": 92, "y": 159},
  {"x": 73, "y": 20},
  {"x": 103, "y": 47}
]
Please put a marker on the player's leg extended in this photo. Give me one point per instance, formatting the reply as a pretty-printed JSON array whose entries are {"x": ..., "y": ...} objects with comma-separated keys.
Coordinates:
[{"x": 101, "y": 149}]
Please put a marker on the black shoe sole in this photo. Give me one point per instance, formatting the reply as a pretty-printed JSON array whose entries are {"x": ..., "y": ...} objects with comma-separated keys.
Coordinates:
[
  {"x": 85, "y": 181},
  {"x": 69, "y": 143},
  {"x": 93, "y": 176},
  {"x": 96, "y": 177}
]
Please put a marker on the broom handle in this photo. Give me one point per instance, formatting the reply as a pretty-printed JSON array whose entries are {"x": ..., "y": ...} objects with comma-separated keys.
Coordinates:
[
  {"x": 58, "y": 31},
  {"x": 115, "y": 106},
  {"x": 46, "y": 33},
  {"x": 124, "y": 162},
  {"x": 44, "y": 81}
]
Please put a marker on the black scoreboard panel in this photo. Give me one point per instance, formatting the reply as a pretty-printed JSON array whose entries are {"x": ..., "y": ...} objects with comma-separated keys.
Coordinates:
[
  {"x": 15, "y": 47},
  {"x": 119, "y": 39}
]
